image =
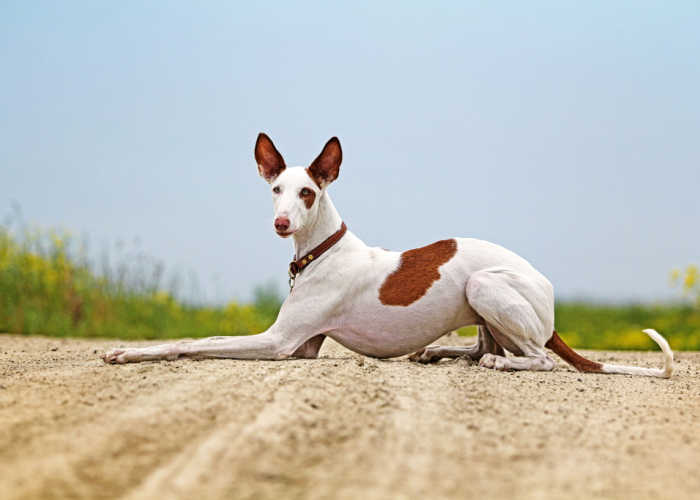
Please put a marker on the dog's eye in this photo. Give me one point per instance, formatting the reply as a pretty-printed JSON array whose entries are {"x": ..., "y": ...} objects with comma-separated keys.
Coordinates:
[
  {"x": 305, "y": 192},
  {"x": 276, "y": 189}
]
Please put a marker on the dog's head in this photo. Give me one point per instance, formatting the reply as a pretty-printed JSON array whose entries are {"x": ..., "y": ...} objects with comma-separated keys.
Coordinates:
[{"x": 296, "y": 191}]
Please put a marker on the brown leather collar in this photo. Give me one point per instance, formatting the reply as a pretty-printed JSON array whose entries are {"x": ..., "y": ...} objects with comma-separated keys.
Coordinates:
[{"x": 297, "y": 265}]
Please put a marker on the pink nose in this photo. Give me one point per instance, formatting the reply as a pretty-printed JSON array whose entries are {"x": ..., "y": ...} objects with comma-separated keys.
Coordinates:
[{"x": 281, "y": 224}]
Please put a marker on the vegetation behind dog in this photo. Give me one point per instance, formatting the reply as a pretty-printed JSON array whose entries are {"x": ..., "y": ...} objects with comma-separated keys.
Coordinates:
[{"x": 49, "y": 286}]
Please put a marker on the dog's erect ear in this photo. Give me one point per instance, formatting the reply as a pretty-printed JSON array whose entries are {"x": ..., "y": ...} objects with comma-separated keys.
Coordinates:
[
  {"x": 326, "y": 167},
  {"x": 269, "y": 160}
]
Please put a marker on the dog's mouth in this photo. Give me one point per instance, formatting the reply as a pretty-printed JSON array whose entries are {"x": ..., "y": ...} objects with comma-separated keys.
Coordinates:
[{"x": 284, "y": 234}]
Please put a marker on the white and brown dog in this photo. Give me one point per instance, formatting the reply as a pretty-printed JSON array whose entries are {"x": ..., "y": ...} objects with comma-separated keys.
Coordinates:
[{"x": 386, "y": 304}]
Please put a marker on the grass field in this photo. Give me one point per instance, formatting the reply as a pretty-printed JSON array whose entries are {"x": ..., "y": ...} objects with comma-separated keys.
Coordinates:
[{"x": 49, "y": 286}]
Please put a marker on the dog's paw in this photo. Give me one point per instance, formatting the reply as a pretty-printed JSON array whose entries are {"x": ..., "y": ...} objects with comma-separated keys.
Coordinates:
[
  {"x": 416, "y": 356},
  {"x": 115, "y": 356},
  {"x": 426, "y": 355},
  {"x": 489, "y": 360}
]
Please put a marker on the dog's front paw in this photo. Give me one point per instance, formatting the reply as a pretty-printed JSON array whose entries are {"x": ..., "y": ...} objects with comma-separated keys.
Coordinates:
[{"x": 116, "y": 356}]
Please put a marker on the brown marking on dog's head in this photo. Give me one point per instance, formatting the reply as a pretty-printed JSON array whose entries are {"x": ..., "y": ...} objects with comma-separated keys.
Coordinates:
[
  {"x": 326, "y": 166},
  {"x": 416, "y": 273},
  {"x": 308, "y": 196},
  {"x": 269, "y": 160}
]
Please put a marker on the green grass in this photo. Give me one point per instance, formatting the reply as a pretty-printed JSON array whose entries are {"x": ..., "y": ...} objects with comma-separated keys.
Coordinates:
[
  {"x": 596, "y": 326},
  {"x": 49, "y": 286},
  {"x": 620, "y": 327}
]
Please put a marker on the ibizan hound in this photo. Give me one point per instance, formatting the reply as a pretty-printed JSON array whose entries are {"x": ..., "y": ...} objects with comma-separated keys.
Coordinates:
[{"x": 386, "y": 304}]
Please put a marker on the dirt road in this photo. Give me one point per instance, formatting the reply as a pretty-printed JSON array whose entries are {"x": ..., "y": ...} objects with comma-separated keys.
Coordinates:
[{"x": 343, "y": 426}]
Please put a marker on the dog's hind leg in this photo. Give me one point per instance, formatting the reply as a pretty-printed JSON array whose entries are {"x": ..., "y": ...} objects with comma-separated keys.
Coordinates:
[
  {"x": 519, "y": 312},
  {"x": 485, "y": 343}
]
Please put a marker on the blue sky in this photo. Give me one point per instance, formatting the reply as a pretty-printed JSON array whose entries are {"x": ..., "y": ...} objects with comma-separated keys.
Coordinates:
[{"x": 566, "y": 131}]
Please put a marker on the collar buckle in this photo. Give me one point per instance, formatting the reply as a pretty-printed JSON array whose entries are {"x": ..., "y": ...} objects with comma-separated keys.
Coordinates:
[
  {"x": 296, "y": 266},
  {"x": 293, "y": 271}
]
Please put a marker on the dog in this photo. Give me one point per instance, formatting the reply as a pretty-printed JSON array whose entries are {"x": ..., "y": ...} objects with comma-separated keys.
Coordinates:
[{"x": 386, "y": 304}]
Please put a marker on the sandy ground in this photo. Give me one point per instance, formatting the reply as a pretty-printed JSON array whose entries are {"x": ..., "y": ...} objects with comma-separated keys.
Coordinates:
[{"x": 343, "y": 426}]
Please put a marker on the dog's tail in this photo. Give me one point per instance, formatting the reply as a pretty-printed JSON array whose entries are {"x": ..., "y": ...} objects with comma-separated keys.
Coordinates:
[{"x": 582, "y": 364}]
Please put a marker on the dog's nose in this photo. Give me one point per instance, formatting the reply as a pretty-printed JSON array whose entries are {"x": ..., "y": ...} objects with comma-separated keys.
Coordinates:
[{"x": 281, "y": 224}]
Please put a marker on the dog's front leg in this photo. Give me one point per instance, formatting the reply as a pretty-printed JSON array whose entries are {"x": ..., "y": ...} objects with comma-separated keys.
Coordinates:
[
  {"x": 268, "y": 345},
  {"x": 298, "y": 331}
]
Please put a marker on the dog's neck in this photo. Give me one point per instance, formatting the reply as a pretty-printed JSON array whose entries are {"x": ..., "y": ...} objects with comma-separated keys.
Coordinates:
[{"x": 327, "y": 222}]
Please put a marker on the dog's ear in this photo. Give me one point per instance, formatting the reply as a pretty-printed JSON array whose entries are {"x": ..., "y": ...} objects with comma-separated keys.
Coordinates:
[
  {"x": 326, "y": 166},
  {"x": 269, "y": 160}
]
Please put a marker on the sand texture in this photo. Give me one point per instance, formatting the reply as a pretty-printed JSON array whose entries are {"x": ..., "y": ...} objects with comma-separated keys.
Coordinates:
[{"x": 343, "y": 426}]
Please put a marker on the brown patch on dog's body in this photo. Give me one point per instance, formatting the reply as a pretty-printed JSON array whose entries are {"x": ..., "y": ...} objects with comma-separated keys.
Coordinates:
[
  {"x": 566, "y": 353},
  {"x": 416, "y": 273}
]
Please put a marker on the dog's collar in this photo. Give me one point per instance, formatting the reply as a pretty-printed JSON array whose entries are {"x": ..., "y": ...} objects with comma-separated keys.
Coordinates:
[{"x": 297, "y": 265}]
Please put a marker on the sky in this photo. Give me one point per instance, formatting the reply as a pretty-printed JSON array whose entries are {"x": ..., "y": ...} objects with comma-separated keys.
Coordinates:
[{"x": 568, "y": 132}]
